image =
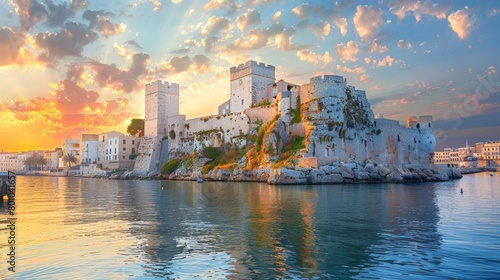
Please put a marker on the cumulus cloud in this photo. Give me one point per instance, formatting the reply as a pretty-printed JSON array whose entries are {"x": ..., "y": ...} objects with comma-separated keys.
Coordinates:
[
  {"x": 461, "y": 23},
  {"x": 222, "y": 4},
  {"x": 276, "y": 17},
  {"x": 255, "y": 39},
  {"x": 126, "y": 50},
  {"x": 376, "y": 47},
  {"x": 355, "y": 70},
  {"x": 100, "y": 20},
  {"x": 347, "y": 52},
  {"x": 304, "y": 11},
  {"x": 258, "y": 38},
  {"x": 216, "y": 25},
  {"x": 199, "y": 64},
  {"x": 310, "y": 56},
  {"x": 70, "y": 41},
  {"x": 190, "y": 42},
  {"x": 156, "y": 5},
  {"x": 31, "y": 12},
  {"x": 403, "y": 7},
  {"x": 402, "y": 44},
  {"x": 341, "y": 24},
  {"x": 215, "y": 30},
  {"x": 367, "y": 21},
  {"x": 364, "y": 78},
  {"x": 251, "y": 17},
  {"x": 124, "y": 80},
  {"x": 386, "y": 61},
  {"x": 320, "y": 29},
  {"x": 284, "y": 41},
  {"x": 13, "y": 48}
]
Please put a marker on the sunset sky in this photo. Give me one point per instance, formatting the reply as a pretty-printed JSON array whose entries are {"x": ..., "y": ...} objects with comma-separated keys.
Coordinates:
[{"x": 72, "y": 67}]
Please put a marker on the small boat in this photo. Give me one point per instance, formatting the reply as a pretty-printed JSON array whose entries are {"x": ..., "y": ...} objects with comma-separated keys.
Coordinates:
[{"x": 199, "y": 180}]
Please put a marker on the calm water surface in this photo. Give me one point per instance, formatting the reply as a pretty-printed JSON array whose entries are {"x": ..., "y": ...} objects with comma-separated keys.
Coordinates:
[{"x": 80, "y": 228}]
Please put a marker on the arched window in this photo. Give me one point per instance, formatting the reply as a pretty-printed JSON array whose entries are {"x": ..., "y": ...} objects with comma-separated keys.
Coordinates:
[{"x": 418, "y": 125}]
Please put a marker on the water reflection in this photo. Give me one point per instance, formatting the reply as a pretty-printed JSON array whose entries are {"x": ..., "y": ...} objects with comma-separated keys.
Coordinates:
[{"x": 75, "y": 227}]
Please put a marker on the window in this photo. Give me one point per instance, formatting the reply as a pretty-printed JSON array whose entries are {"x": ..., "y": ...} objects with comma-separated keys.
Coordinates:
[
  {"x": 123, "y": 157},
  {"x": 115, "y": 150},
  {"x": 124, "y": 148},
  {"x": 133, "y": 142},
  {"x": 242, "y": 100},
  {"x": 124, "y": 142},
  {"x": 133, "y": 150}
]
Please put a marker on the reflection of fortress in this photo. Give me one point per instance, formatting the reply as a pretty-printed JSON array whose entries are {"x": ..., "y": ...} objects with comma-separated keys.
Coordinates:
[{"x": 337, "y": 121}]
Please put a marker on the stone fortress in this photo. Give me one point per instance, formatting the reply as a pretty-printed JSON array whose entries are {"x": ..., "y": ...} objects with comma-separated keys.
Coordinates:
[{"x": 335, "y": 120}]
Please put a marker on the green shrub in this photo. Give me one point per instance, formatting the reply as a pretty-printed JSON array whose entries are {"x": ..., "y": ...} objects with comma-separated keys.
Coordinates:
[
  {"x": 172, "y": 134},
  {"x": 170, "y": 166},
  {"x": 264, "y": 102},
  {"x": 188, "y": 163},
  {"x": 295, "y": 113},
  {"x": 211, "y": 152}
]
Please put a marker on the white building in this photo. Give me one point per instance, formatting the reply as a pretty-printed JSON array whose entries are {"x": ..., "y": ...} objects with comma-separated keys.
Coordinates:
[
  {"x": 117, "y": 150},
  {"x": 491, "y": 150},
  {"x": 70, "y": 146},
  {"x": 9, "y": 161},
  {"x": 89, "y": 148},
  {"x": 52, "y": 158}
]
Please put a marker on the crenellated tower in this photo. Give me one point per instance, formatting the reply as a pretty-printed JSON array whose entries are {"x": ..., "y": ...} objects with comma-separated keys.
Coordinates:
[
  {"x": 161, "y": 102},
  {"x": 249, "y": 83}
]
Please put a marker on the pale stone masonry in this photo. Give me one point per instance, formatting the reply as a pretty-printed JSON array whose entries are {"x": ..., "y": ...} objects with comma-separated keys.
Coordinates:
[{"x": 339, "y": 124}]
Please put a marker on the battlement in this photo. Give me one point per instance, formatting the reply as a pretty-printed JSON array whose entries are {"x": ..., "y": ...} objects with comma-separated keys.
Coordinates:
[
  {"x": 425, "y": 119},
  {"x": 328, "y": 78},
  {"x": 359, "y": 93},
  {"x": 420, "y": 122},
  {"x": 162, "y": 86},
  {"x": 251, "y": 64}
]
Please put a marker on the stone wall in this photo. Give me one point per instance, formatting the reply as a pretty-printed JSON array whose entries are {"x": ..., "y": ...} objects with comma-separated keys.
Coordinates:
[
  {"x": 90, "y": 170},
  {"x": 149, "y": 154},
  {"x": 264, "y": 114}
]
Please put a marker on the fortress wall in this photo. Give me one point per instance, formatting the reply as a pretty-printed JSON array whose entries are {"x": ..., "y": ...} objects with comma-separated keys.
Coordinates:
[
  {"x": 149, "y": 153},
  {"x": 328, "y": 85},
  {"x": 264, "y": 114},
  {"x": 162, "y": 86}
]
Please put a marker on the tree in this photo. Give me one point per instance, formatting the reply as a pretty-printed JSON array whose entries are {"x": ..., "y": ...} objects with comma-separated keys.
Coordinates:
[
  {"x": 136, "y": 126},
  {"x": 35, "y": 160},
  {"x": 69, "y": 159}
]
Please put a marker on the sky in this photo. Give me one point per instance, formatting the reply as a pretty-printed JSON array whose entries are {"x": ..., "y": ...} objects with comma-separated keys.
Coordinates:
[{"x": 73, "y": 67}]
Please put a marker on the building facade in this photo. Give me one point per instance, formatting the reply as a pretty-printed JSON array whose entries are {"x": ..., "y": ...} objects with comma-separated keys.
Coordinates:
[
  {"x": 89, "y": 148},
  {"x": 9, "y": 162},
  {"x": 117, "y": 150}
]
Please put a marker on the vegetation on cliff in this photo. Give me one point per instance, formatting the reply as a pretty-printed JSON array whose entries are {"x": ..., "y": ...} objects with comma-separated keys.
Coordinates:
[{"x": 170, "y": 166}]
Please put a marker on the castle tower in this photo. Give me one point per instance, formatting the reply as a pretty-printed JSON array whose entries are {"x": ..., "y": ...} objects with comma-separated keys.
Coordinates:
[
  {"x": 161, "y": 102},
  {"x": 249, "y": 83}
]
